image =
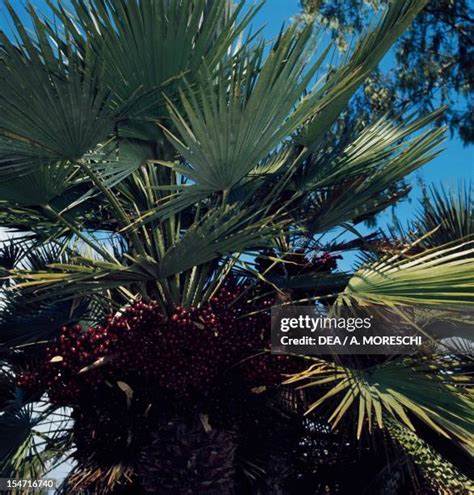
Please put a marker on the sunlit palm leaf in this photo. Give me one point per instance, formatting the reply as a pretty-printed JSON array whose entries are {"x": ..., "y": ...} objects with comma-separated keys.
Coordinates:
[
  {"x": 397, "y": 388},
  {"x": 379, "y": 147},
  {"x": 377, "y": 173},
  {"x": 447, "y": 212},
  {"x": 440, "y": 276}
]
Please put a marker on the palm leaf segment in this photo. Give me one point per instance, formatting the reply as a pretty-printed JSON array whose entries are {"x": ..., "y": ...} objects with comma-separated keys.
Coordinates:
[
  {"x": 392, "y": 389},
  {"x": 441, "y": 276}
]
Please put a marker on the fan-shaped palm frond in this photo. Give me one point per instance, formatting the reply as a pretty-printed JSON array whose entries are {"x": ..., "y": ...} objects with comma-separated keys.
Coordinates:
[
  {"x": 367, "y": 54},
  {"x": 39, "y": 187},
  {"x": 220, "y": 133},
  {"x": 396, "y": 388},
  {"x": 439, "y": 276},
  {"x": 52, "y": 106},
  {"x": 33, "y": 437},
  {"x": 446, "y": 212},
  {"x": 147, "y": 47}
]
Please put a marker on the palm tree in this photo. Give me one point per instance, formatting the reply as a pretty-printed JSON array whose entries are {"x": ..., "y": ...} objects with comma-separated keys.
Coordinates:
[{"x": 168, "y": 176}]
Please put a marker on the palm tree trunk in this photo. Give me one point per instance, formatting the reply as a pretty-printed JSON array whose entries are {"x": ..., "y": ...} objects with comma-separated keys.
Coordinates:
[{"x": 188, "y": 457}]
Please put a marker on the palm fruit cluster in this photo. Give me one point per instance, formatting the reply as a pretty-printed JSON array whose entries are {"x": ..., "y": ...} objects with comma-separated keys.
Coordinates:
[
  {"x": 298, "y": 262},
  {"x": 124, "y": 377},
  {"x": 183, "y": 354}
]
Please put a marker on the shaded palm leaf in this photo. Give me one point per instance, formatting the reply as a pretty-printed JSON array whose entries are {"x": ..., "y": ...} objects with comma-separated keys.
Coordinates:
[
  {"x": 33, "y": 438},
  {"x": 225, "y": 132},
  {"x": 51, "y": 107},
  {"x": 221, "y": 232},
  {"x": 148, "y": 46},
  {"x": 114, "y": 162},
  {"x": 38, "y": 187}
]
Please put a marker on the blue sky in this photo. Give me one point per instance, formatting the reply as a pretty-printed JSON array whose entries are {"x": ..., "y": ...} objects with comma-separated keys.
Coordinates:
[{"x": 456, "y": 162}]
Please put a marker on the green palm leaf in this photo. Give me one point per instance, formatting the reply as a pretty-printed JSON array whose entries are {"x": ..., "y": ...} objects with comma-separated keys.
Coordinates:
[
  {"x": 439, "y": 276},
  {"x": 39, "y": 187},
  {"x": 33, "y": 440},
  {"x": 225, "y": 132},
  {"x": 148, "y": 46},
  {"x": 51, "y": 108},
  {"x": 396, "y": 388},
  {"x": 381, "y": 146},
  {"x": 371, "y": 166},
  {"x": 221, "y": 232},
  {"x": 447, "y": 212},
  {"x": 370, "y": 50}
]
